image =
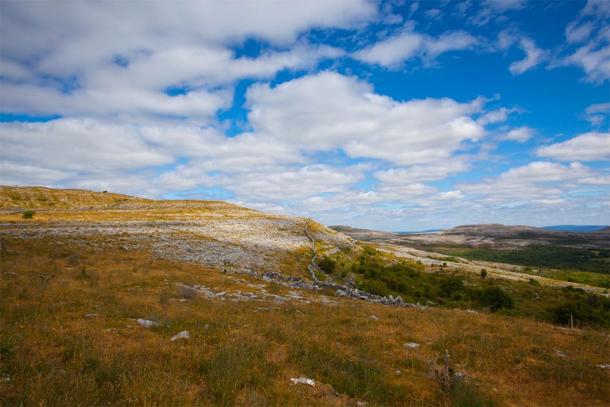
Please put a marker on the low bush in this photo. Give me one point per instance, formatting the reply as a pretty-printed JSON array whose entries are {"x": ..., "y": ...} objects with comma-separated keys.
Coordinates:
[
  {"x": 589, "y": 310},
  {"x": 495, "y": 298},
  {"x": 327, "y": 265},
  {"x": 28, "y": 214}
]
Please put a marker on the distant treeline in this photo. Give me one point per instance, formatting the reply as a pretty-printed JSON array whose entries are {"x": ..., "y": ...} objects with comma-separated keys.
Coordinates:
[{"x": 560, "y": 257}]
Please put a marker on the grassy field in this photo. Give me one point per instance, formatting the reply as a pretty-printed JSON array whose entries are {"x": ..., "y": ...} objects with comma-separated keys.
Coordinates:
[{"x": 69, "y": 338}]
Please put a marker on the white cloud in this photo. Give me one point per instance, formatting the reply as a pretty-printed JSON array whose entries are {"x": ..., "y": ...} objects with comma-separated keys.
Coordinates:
[
  {"x": 290, "y": 183},
  {"x": 70, "y": 35},
  {"x": 590, "y": 30},
  {"x": 490, "y": 9},
  {"x": 393, "y": 51},
  {"x": 597, "y": 8},
  {"x": 597, "y": 113},
  {"x": 520, "y": 134},
  {"x": 18, "y": 174},
  {"x": 576, "y": 32},
  {"x": 533, "y": 57},
  {"x": 594, "y": 59},
  {"x": 494, "y": 116},
  {"x": 532, "y": 182},
  {"x": 271, "y": 162},
  {"x": 78, "y": 145},
  {"x": 433, "y": 13},
  {"x": 138, "y": 89},
  {"x": 585, "y": 147},
  {"x": 62, "y": 58},
  {"x": 332, "y": 111},
  {"x": 451, "y": 195},
  {"x": 420, "y": 173}
]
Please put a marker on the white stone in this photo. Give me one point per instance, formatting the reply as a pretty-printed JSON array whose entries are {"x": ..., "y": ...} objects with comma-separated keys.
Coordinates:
[
  {"x": 303, "y": 380},
  {"x": 181, "y": 335},
  {"x": 147, "y": 323}
]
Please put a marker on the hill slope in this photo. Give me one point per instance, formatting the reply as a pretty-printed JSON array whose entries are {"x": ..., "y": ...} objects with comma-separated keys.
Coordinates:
[{"x": 94, "y": 293}]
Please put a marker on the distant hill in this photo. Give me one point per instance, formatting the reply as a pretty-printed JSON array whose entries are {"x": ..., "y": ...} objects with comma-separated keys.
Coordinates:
[
  {"x": 502, "y": 231},
  {"x": 576, "y": 228},
  {"x": 420, "y": 231}
]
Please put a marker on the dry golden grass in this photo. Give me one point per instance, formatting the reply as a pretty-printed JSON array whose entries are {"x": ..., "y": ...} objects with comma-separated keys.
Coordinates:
[
  {"x": 81, "y": 205},
  {"x": 41, "y": 197},
  {"x": 243, "y": 353}
]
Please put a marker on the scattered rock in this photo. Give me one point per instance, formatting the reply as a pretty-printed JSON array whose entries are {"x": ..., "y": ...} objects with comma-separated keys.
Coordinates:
[
  {"x": 604, "y": 366},
  {"x": 181, "y": 335},
  {"x": 374, "y": 317},
  {"x": 186, "y": 291},
  {"x": 92, "y": 315},
  {"x": 303, "y": 380},
  {"x": 411, "y": 345},
  {"x": 147, "y": 323}
]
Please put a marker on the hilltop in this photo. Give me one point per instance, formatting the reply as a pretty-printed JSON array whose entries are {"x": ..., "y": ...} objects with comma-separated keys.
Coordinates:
[{"x": 112, "y": 299}]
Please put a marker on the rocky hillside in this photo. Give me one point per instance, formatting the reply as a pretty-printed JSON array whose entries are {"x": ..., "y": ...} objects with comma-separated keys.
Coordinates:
[{"x": 211, "y": 233}]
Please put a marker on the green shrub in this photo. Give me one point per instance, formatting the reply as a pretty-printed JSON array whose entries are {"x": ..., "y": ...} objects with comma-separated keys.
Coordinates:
[
  {"x": 376, "y": 287},
  {"x": 590, "y": 310},
  {"x": 495, "y": 299},
  {"x": 28, "y": 214},
  {"x": 327, "y": 265},
  {"x": 451, "y": 287}
]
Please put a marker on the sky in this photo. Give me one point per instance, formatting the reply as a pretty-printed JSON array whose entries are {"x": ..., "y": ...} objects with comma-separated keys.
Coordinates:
[{"x": 393, "y": 115}]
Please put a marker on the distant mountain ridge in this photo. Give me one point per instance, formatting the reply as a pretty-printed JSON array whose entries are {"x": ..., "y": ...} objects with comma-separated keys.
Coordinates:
[{"x": 577, "y": 228}]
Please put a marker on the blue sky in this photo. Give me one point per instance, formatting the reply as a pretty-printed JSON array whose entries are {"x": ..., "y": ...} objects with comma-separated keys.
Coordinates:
[{"x": 395, "y": 115}]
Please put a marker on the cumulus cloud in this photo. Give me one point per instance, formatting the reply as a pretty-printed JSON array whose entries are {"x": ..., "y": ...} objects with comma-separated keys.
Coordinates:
[
  {"x": 326, "y": 112},
  {"x": 395, "y": 50},
  {"x": 537, "y": 180},
  {"x": 78, "y": 145},
  {"x": 451, "y": 195},
  {"x": 331, "y": 111},
  {"x": 65, "y": 32},
  {"x": 97, "y": 59},
  {"x": 584, "y": 147},
  {"x": 421, "y": 173},
  {"x": 519, "y": 134}
]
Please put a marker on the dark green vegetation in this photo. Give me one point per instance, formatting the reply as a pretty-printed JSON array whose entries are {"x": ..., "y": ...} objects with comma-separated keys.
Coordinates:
[
  {"x": 559, "y": 257},
  {"x": 380, "y": 274},
  {"x": 29, "y": 214}
]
